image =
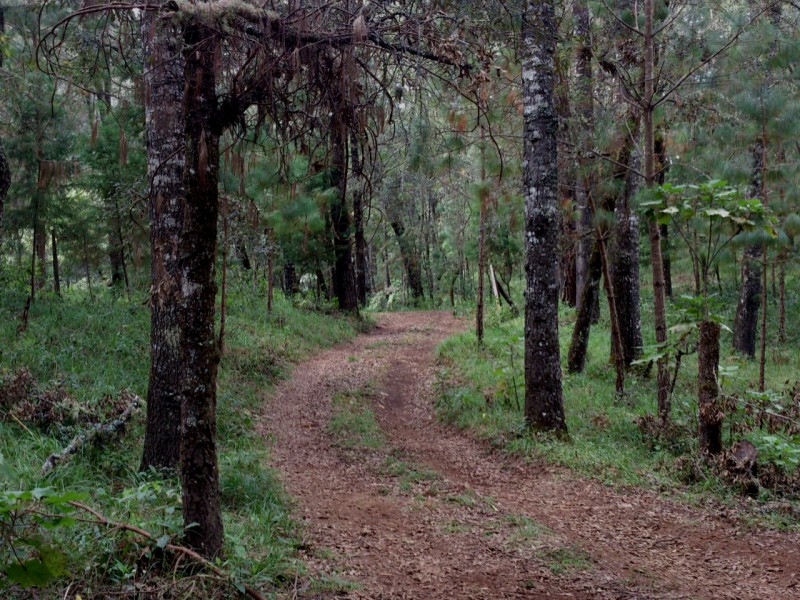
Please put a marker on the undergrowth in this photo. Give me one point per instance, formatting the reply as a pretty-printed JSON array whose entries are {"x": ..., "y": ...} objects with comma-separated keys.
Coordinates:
[
  {"x": 92, "y": 350},
  {"x": 481, "y": 388}
]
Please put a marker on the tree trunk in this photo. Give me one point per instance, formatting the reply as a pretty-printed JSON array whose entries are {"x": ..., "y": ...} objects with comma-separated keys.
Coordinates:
[
  {"x": 625, "y": 254},
  {"x": 41, "y": 253},
  {"x": 656, "y": 261},
  {"x": 745, "y": 325},
  {"x": 290, "y": 284},
  {"x": 576, "y": 357},
  {"x": 408, "y": 254},
  {"x": 270, "y": 277},
  {"x": 56, "y": 275},
  {"x": 585, "y": 113},
  {"x": 202, "y": 515},
  {"x": 782, "y": 298},
  {"x": 660, "y": 150},
  {"x": 361, "y": 266},
  {"x": 665, "y": 249},
  {"x": 5, "y": 180},
  {"x": 163, "y": 79},
  {"x": 481, "y": 248},
  {"x": 708, "y": 388},
  {"x": 115, "y": 259},
  {"x": 5, "y": 169},
  {"x": 344, "y": 277},
  {"x": 544, "y": 405},
  {"x": 116, "y": 244},
  {"x": 88, "y": 273}
]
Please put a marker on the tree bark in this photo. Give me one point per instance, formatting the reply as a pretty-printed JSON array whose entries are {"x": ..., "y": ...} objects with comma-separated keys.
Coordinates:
[
  {"x": 585, "y": 112},
  {"x": 625, "y": 255},
  {"x": 481, "y": 247},
  {"x": 344, "y": 277},
  {"x": 202, "y": 515},
  {"x": 408, "y": 254},
  {"x": 576, "y": 357},
  {"x": 361, "y": 266},
  {"x": 544, "y": 405},
  {"x": 708, "y": 388},
  {"x": 745, "y": 325},
  {"x": 5, "y": 169},
  {"x": 656, "y": 261},
  {"x": 164, "y": 116}
]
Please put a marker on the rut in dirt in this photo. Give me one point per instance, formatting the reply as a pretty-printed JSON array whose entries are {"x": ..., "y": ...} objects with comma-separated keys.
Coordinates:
[{"x": 431, "y": 513}]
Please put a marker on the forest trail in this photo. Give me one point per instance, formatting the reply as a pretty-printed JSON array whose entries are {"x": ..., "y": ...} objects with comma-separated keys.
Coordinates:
[{"x": 432, "y": 514}]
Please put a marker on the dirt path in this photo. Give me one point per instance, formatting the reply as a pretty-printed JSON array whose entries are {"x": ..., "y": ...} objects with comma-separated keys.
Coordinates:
[{"x": 432, "y": 514}]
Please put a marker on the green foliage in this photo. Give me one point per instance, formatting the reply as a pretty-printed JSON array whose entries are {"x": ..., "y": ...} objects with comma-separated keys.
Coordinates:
[
  {"x": 29, "y": 556},
  {"x": 94, "y": 349},
  {"x": 607, "y": 438}
]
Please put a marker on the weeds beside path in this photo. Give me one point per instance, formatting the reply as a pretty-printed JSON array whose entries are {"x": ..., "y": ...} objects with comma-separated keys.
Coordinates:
[{"x": 396, "y": 505}]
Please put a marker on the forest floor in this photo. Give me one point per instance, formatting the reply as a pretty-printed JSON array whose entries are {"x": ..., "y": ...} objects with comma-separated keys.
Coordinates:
[{"x": 395, "y": 504}]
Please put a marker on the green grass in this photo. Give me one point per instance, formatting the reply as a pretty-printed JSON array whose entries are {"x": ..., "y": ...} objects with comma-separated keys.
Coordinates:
[
  {"x": 97, "y": 349},
  {"x": 482, "y": 390},
  {"x": 565, "y": 559},
  {"x": 353, "y": 423}
]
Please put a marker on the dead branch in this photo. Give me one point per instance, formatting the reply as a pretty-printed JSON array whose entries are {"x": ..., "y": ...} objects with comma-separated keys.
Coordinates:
[{"x": 98, "y": 433}]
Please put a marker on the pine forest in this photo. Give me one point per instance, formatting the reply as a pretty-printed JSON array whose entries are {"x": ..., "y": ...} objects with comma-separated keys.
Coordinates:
[{"x": 399, "y": 299}]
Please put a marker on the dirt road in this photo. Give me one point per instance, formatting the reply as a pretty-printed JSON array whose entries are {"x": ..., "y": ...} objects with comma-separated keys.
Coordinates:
[{"x": 430, "y": 513}]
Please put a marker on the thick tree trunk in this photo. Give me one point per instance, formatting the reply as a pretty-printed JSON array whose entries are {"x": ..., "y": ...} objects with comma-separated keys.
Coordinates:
[
  {"x": 625, "y": 259},
  {"x": 344, "y": 276},
  {"x": 544, "y": 405},
  {"x": 202, "y": 515},
  {"x": 576, "y": 357},
  {"x": 745, "y": 325},
  {"x": 708, "y": 388},
  {"x": 361, "y": 266},
  {"x": 164, "y": 116}
]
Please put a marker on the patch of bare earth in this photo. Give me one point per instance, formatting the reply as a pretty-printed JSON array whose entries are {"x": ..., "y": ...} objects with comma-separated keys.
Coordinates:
[{"x": 434, "y": 514}]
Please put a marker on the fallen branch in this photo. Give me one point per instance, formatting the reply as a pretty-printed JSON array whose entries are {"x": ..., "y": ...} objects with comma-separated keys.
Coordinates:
[
  {"x": 182, "y": 550},
  {"x": 98, "y": 433}
]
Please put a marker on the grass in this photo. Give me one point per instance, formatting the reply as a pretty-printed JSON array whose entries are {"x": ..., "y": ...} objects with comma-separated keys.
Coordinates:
[
  {"x": 96, "y": 349},
  {"x": 353, "y": 423},
  {"x": 565, "y": 559},
  {"x": 407, "y": 473},
  {"x": 482, "y": 390}
]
